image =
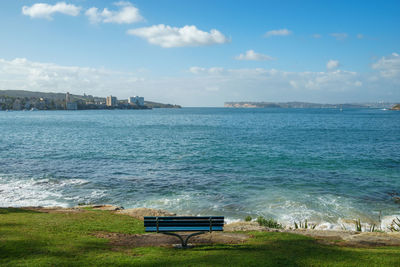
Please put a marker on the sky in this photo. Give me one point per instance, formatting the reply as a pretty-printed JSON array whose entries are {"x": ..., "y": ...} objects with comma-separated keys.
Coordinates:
[{"x": 204, "y": 53}]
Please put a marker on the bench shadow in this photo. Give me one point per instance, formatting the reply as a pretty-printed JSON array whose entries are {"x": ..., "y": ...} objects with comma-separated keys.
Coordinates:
[
  {"x": 290, "y": 252},
  {"x": 12, "y": 251},
  {"x": 10, "y": 224},
  {"x": 16, "y": 210}
]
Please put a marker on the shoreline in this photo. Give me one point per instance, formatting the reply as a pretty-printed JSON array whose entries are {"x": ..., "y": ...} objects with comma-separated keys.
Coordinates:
[
  {"x": 348, "y": 226},
  {"x": 344, "y": 238}
]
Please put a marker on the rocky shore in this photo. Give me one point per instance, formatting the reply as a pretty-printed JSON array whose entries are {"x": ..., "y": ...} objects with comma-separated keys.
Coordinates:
[
  {"x": 341, "y": 238},
  {"x": 396, "y": 107}
]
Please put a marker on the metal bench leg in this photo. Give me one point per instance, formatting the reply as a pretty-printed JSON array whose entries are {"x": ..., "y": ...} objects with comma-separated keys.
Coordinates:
[
  {"x": 194, "y": 234},
  {"x": 184, "y": 242}
]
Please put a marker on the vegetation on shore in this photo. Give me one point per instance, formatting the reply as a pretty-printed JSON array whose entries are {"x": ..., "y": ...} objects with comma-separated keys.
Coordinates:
[
  {"x": 32, "y": 238},
  {"x": 20, "y": 99}
]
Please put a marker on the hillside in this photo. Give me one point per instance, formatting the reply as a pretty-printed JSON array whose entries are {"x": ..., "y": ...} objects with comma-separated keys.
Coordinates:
[
  {"x": 61, "y": 97},
  {"x": 30, "y": 94}
]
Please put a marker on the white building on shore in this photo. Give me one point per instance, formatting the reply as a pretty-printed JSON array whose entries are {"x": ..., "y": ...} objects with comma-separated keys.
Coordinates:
[{"x": 137, "y": 100}]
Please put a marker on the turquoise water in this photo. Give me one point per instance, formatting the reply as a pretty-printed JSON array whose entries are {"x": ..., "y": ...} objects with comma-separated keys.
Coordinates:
[{"x": 323, "y": 165}]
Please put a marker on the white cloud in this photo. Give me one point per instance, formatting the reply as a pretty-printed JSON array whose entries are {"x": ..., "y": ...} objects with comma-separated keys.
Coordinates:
[
  {"x": 251, "y": 55},
  {"x": 332, "y": 64},
  {"x": 339, "y": 35},
  {"x": 203, "y": 86},
  {"x": 211, "y": 71},
  {"x": 125, "y": 15},
  {"x": 281, "y": 32},
  {"x": 46, "y": 11},
  {"x": 23, "y": 74},
  {"x": 197, "y": 70},
  {"x": 167, "y": 36},
  {"x": 360, "y": 36},
  {"x": 317, "y": 36},
  {"x": 212, "y": 88},
  {"x": 389, "y": 67},
  {"x": 274, "y": 85}
]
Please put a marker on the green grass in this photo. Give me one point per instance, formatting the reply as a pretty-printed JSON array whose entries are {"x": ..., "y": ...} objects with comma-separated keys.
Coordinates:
[{"x": 30, "y": 238}]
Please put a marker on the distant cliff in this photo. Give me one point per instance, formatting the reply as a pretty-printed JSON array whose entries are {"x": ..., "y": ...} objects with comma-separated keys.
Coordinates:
[
  {"x": 396, "y": 107},
  {"x": 304, "y": 105}
]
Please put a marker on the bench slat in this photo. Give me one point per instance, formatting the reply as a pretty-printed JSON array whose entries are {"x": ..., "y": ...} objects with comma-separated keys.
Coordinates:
[
  {"x": 183, "y": 225},
  {"x": 184, "y": 218},
  {"x": 183, "y": 222},
  {"x": 183, "y": 229}
]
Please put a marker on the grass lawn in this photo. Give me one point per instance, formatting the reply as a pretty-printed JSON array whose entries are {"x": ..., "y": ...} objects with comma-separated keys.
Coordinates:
[{"x": 29, "y": 238}]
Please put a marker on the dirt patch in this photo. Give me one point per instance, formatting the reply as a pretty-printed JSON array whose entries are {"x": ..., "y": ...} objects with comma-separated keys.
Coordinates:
[
  {"x": 54, "y": 209},
  {"x": 244, "y": 226},
  {"x": 76, "y": 209},
  {"x": 160, "y": 240},
  {"x": 351, "y": 238},
  {"x": 100, "y": 207},
  {"x": 139, "y": 213}
]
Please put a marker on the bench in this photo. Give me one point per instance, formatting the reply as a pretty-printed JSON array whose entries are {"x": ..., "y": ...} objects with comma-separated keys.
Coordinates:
[{"x": 197, "y": 224}]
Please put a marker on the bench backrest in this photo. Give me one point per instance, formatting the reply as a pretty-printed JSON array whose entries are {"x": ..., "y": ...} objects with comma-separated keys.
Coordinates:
[{"x": 184, "y": 223}]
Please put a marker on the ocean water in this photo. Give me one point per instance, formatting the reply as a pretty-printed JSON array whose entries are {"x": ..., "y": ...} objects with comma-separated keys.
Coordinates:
[{"x": 324, "y": 165}]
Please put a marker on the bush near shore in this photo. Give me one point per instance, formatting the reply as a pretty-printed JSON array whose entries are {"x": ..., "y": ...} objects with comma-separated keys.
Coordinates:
[{"x": 33, "y": 238}]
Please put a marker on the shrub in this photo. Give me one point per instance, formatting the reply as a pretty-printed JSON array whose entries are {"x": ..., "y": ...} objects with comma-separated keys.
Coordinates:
[
  {"x": 358, "y": 225},
  {"x": 304, "y": 225},
  {"x": 395, "y": 225},
  {"x": 270, "y": 223},
  {"x": 248, "y": 218}
]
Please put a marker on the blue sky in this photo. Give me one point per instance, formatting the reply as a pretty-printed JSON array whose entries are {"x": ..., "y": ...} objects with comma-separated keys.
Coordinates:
[{"x": 202, "y": 53}]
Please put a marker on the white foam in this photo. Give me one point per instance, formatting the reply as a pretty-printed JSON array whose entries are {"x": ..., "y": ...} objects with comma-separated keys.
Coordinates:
[
  {"x": 19, "y": 193},
  {"x": 387, "y": 221},
  {"x": 31, "y": 192},
  {"x": 229, "y": 220}
]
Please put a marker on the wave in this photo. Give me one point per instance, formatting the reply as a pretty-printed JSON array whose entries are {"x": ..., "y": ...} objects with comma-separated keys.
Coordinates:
[
  {"x": 327, "y": 212},
  {"x": 43, "y": 192}
]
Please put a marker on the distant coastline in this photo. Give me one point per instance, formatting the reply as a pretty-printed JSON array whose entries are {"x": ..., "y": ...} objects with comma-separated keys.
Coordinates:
[
  {"x": 28, "y": 100},
  {"x": 249, "y": 104},
  {"x": 396, "y": 107}
]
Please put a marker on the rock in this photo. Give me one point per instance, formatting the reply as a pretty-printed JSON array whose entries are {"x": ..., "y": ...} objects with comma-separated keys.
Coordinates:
[
  {"x": 139, "y": 213},
  {"x": 373, "y": 239},
  {"x": 100, "y": 207},
  {"x": 351, "y": 238},
  {"x": 396, "y": 200}
]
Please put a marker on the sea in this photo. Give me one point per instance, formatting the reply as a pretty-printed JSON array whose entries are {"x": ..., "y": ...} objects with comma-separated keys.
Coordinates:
[{"x": 327, "y": 166}]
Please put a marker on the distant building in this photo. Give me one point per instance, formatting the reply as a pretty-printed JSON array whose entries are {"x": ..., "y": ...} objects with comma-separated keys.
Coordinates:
[
  {"x": 137, "y": 100},
  {"x": 71, "y": 106},
  {"x": 17, "y": 105},
  {"x": 111, "y": 101},
  {"x": 27, "y": 105}
]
